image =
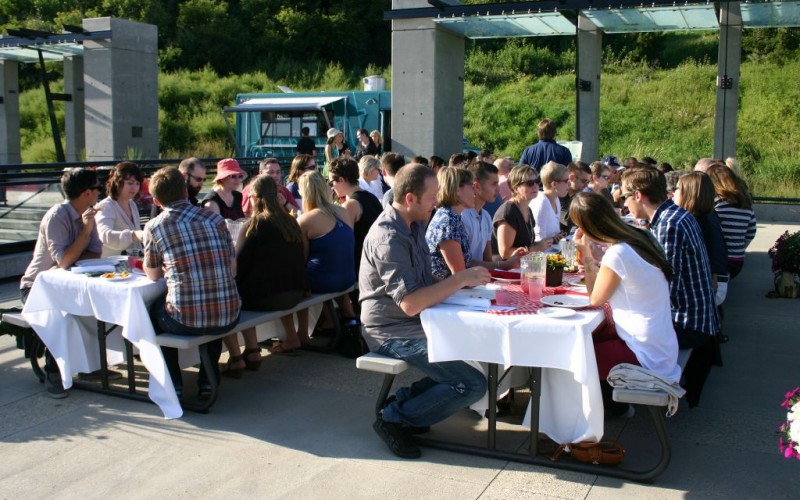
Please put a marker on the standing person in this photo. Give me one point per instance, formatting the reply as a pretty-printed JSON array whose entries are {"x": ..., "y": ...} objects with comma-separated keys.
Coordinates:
[
  {"x": 369, "y": 170},
  {"x": 735, "y": 211},
  {"x": 391, "y": 163},
  {"x": 272, "y": 168},
  {"x": 396, "y": 284},
  {"x": 694, "y": 316},
  {"x": 335, "y": 146},
  {"x": 271, "y": 273},
  {"x": 580, "y": 175},
  {"x": 537, "y": 155},
  {"x": 378, "y": 141},
  {"x": 118, "y": 222},
  {"x": 224, "y": 199},
  {"x": 633, "y": 277},
  {"x": 306, "y": 145},
  {"x": 513, "y": 223},
  {"x": 67, "y": 234},
  {"x": 446, "y": 237},
  {"x": 365, "y": 144},
  {"x": 192, "y": 250},
  {"x": 300, "y": 165},
  {"x": 546, "y": 208}
]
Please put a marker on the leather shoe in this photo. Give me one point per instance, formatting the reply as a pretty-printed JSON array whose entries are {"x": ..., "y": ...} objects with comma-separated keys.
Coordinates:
[{"x": 397, "y": 438}]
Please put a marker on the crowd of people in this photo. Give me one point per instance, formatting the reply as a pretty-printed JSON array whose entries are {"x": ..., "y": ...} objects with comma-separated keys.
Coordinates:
[{"x": 660, "y": 246}]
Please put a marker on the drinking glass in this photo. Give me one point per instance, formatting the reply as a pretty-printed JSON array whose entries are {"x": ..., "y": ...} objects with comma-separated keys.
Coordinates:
[{"x": 535, "y": 274}]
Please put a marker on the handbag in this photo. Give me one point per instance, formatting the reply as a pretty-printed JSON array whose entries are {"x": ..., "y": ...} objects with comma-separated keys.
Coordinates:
[
  {"x": 352, "y": 344},
  {"x": 602, "y": 453}
]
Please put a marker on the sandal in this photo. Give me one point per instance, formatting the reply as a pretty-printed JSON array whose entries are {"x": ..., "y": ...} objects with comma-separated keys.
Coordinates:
[
  {"x": 234, "y": 372},
  {"x": 251, "y": 365},
  {"x": 279, "y": 349}
]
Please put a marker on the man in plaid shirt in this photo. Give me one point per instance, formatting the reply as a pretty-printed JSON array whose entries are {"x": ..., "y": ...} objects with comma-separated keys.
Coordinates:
[{"x": 192, "y": 249}]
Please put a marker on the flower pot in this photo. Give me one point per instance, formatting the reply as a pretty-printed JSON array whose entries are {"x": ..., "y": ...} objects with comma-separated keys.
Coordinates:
[
  {"x": 554, "y": 277},
  {"x": 787, "y": 284}
]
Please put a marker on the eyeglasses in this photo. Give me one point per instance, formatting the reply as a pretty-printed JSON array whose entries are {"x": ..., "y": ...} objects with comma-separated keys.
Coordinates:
[
  {"x": 564, "y": 181},
  {"x": 309, "y": 168},
  {"x": 96, "y": 188},
  {"x": 238, "y": 177},
  {"x": 530, "y": 183},
  {"x": 195, "y": 178},
  {"x": 625, "y": 196},
  {"x": 331, "y": 182}
]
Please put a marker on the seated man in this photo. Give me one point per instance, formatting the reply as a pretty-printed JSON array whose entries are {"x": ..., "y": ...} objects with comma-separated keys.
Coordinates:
[
  {"x": 67, "y": 233},
  {"x": 192, "y": 249},
  {"x": 396, "y": 284}
]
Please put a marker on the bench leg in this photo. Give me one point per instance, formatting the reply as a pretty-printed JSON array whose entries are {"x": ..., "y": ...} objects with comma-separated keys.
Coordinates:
[
  {"x": 36, "y": 345},
  {"x": 388, "y": 380},
  {"x": 206, "y": 363}
]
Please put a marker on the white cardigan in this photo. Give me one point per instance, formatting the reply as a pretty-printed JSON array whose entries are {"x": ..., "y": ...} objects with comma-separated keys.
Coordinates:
[{"x": 114, "y": 227}]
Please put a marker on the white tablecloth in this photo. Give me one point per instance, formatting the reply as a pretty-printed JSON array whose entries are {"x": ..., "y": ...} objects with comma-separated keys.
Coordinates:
[
  {"x": 571, "y": 403},
  {"x": 61, "y": 309}
]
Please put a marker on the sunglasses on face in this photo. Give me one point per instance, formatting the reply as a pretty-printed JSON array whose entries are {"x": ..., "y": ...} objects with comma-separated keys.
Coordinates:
[
  {"x": 625, "y": 196},
  {"x": 195, "y": 178},
  {"x": 95, "y": 188},
  {"x": 530, "y": 183},
  {"x": 331, "y": 182},
  {"x": 238, "y": 177},
  {"x": 309, "y": 168}
]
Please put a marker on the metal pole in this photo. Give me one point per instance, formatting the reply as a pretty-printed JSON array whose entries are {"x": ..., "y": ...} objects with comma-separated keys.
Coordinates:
[{"x": 51, "y": 111}]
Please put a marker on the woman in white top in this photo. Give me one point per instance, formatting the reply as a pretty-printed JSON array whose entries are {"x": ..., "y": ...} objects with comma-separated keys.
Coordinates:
[
  {"x": 117, "y": 219},
  {"x": 633, "y": 277},
  {"x": 547, "y": 208}
]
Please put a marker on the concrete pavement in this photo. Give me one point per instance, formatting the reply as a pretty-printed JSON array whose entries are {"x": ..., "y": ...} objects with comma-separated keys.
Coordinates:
[{"x": 301, "y": 428}]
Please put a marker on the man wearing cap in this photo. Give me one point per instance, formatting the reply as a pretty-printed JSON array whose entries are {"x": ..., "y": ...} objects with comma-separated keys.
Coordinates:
[
  {"x": 546, "y": 149},
  {"x": 67, "y": 234},
  {"x": 192, "y": 249},
  {"x": 224, "y": 198},
  {"x": 270, "y": 167}
]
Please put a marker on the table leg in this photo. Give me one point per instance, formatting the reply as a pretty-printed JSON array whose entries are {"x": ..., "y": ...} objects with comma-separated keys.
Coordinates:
[
  {"x": 101, "y": 339},
  {"x": 131, "y": 368},
  {"x": 492, "y": 382},
  {"x": 535, "y": 383}
]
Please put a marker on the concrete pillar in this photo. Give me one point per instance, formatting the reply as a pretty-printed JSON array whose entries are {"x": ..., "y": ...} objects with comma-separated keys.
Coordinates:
[
  {"x": 728, "y": 63},
  {"x": 121, "y": 90},
  {"x": 9, "y": 113},
  {"x": 589, "y": 62},
  {"x": 74, "y": 122},
  {"x": 427, "y": 86}
]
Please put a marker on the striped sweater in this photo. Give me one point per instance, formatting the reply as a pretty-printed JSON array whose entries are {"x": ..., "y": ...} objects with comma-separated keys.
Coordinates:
[{"x": 738, "y": 227}]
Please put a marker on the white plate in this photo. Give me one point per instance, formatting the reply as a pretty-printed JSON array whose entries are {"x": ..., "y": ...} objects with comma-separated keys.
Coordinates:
[
  {"x": 118, "y": 278},
  {"x": 571, "y": 301},
  {"x": 506, "y": 280},
  {"x": 106, "y": 261},
  {"x": 576, "y": 281},
  {"x": 556, "y": 312}
]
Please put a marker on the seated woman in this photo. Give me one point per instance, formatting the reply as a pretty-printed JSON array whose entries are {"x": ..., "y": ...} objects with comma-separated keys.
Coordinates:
[
  {"x": 513, "y": 222},
  {"x": 546, "y": 208},
  {"x": 633, "y": 277},
  {"x": 271, "y": 272},
  {"x": 331, "y": 242},
  {"x": 601, "y": 178},
  {"x": 224, "y": 198},
  {"x": 300, "y": 165},
  {"x": 446, "y": 237},
  {"x": 117, "y": 218}
]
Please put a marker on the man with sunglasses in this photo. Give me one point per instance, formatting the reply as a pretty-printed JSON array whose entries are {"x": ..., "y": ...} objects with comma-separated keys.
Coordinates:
[
  {"x": 694, "y": 314},
  {"x": 67, "y": 234},
  {"x": 580, "y": 175},
  {"x": 194, "y": 172}
]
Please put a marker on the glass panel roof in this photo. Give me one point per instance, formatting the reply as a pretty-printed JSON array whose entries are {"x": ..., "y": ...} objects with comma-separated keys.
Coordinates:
[
  {"x": 513, "y": 25},
  {"x": 770, "y": 15},
  {"x": 50, "y": 51},
  {"x": 677, "y": 18}
]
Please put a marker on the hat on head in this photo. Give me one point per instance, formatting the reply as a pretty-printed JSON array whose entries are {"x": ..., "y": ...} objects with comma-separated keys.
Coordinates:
[
  {"x": 227, "y": 168},
  {"x": 333, "y": 132},
  {"x": 611, "y": 161}
]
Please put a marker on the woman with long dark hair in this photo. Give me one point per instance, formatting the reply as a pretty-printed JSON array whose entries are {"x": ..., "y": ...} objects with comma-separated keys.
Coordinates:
[
  {"x": 271, "y": 272},
  {"x": 633, "y": 277}
]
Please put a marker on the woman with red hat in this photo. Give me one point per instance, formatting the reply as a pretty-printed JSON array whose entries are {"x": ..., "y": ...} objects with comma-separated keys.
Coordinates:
[{"x": 224, "y": 198}]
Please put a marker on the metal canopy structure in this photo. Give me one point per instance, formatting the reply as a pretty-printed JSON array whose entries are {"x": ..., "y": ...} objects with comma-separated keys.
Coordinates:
[
  {"x": 548, "y": 18},
  {"x": 288, "y": 104},
  {"x": 24, "y": 45}
]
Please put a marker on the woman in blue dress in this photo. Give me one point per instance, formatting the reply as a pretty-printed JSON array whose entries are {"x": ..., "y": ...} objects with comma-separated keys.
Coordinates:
[{"x": 446, "y": 236}]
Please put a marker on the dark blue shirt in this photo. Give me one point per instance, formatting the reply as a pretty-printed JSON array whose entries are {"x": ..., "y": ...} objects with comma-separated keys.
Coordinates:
[
  {"x": 691, "y": 292},
  {"x": 543, "y": 151}
]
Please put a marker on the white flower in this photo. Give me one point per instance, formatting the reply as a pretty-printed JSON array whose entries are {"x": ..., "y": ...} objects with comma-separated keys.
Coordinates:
[
  {"x": 794, "y": 430},
  {"x": 794, "y": 413}
]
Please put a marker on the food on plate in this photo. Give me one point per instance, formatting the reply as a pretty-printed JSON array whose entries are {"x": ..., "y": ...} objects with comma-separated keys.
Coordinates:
[{"x": 119, "y": 275}]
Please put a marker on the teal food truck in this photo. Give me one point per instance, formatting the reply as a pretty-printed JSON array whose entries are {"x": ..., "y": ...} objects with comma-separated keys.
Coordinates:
[{"x": 269, "y": 125}]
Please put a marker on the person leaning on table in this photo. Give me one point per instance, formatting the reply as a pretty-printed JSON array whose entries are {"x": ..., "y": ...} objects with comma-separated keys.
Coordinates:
[
  {"x": 118, "y": 220},
  {"x": 67, "y": 234},
  {"x": 396, "y": 284},
  {"x": 192, "y": 249},
  {"x": 633, "y": 277}
]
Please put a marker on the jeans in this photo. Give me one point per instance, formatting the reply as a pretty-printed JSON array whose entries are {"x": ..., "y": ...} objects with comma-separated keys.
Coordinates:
[
  {"x": 163, "y": 322},
  {"x": 447, "y": 387}
]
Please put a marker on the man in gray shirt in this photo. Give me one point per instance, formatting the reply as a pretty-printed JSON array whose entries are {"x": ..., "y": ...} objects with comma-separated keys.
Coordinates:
[
  {"x": 67, "y": 233},
  {"x": 396, "y": 285}
]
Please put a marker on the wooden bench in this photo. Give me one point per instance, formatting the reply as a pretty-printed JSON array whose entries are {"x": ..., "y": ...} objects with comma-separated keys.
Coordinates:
[{"x": 247, "y": 319}]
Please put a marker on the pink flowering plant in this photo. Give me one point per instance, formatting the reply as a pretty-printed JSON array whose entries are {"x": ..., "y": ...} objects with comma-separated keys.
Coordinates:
[
  {"x": 789, "y": 431},
  {"x": 785, "y": 253}
]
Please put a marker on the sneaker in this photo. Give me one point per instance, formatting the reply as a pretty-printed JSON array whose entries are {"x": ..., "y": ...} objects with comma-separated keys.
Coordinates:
[
  {"x": 397, "y": 438},
  {"x": 55, "y": 388}
]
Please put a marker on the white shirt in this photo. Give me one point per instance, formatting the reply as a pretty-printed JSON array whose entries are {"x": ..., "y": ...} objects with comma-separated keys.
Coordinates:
[
  {"x": 641, "y": 309},
  {"x": 479, "y": 231},
  {"x": 547, "y": 220},
  {"x": 375, "y": 187},
  {"x": 115, "y": 228}
]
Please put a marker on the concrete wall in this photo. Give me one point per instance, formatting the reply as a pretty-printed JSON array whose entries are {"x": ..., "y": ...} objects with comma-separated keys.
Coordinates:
[
  {"x": 121, "y": 90},
  {"x": 427, "y": 87},
  {"x": 590, "y": 57},
  {"x": 74, "y": 121},
  {"x": 9, "y": 113}
]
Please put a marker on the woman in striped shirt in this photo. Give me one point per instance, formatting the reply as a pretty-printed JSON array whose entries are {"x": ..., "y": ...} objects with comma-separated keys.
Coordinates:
[{"x": 734, "y": 208}]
